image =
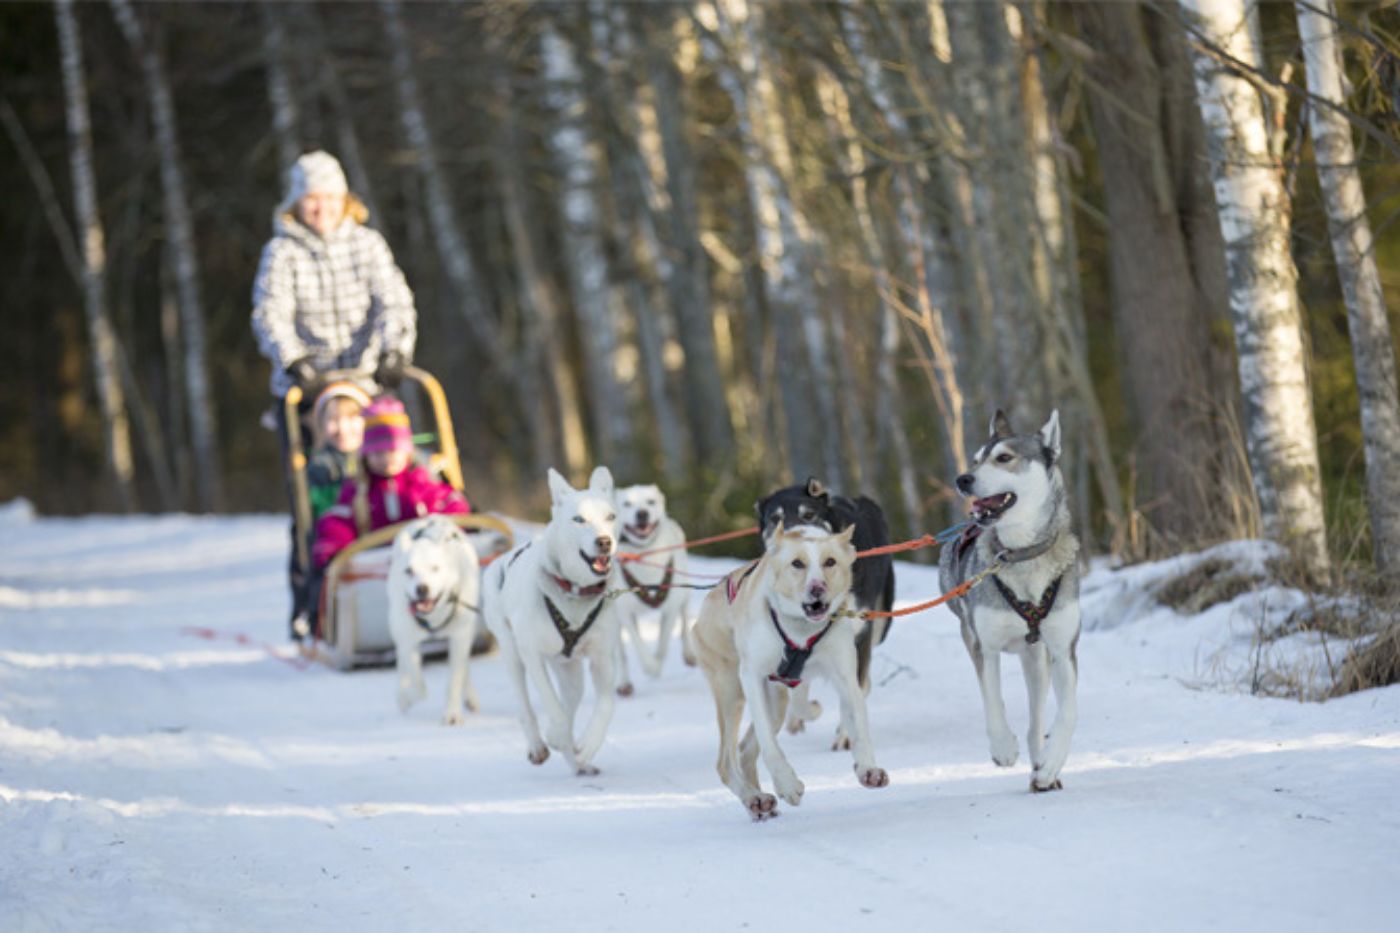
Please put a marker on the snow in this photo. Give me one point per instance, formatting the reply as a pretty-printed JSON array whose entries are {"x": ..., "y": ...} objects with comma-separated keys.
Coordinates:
[{"x": 150, "y": 778}]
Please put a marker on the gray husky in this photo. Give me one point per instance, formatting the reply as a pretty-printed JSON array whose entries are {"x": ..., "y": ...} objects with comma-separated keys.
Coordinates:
[{"x": 1030, "y": 605}]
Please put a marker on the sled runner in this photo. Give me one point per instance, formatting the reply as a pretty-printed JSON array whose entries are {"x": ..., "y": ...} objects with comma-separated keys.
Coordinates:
[{"x": 352, "y": 618}]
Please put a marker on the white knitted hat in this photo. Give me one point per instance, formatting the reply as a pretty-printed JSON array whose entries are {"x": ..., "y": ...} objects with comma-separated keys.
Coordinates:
[{"x": 316, "y": 172}]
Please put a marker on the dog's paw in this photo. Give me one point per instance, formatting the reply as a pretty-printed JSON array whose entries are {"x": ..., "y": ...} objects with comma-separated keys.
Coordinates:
[
  {"x": 453, "y": 717},
  {"x": 762, "y": 807},
  {"x": 842, "y": 741},
  {"x": 538, "y": 754},
  {"x": 625, "y": 690},
  {"x": 795, "y": 724},
  {"x": 1004, "y": 749},
  {"x": 688, "y": 658},
  {"x": 587, "y": 770},
  {"x": 1040, "y": 786},
  {"x": 790, "y": 789},
  {"x": 473, "y": 702},
  {"x": 873, "y": 777},
  {"x": 406, "y": 699}
]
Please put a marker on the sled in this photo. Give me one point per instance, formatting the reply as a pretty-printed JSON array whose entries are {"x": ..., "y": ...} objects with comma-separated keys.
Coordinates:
[{"x": 351, "y": 625}]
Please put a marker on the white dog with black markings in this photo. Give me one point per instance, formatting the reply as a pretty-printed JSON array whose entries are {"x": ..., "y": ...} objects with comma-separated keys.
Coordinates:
[
  {"x": 758, "y": 634},
  {"x": 651, "y": 581},
  {"x": 1030, "y": 605},
  {"x": 434, "y": 590},
  {"x": 547, "y": 602}
]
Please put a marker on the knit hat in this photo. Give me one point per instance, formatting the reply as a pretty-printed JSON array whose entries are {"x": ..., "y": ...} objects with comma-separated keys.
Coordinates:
[
  {"x": 316, "y": 172},
  {"x": 386, "y": 426},
  {"x": 339, "y": 389}
]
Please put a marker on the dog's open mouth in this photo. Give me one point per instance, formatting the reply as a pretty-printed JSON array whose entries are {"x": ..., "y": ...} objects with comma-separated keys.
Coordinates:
[
  {"x": 990, "y": 508},
  {"x": 816, "y": 609},
  {"x": 422, "y": 607},
  {"x": 600, "y": 564},
  {"x": 639, "y": 532}
]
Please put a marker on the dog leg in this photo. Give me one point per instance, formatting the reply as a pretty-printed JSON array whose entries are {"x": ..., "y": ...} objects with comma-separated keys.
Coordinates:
[
  {"x": 604, "y": 678},
  {"x": 459, "y": 688},
  {"x": 1035, "y": 667},
  {"x": 557, "y": 732},
  {"x": 536, "y": 750},
  {"x": 409, "y": 662},
  {"x": 856, "y": 722},
  {"x": 687, "y": 638},
  {"x": 729, "y": 712},
  {"x": 766, "y": 708},
  {"x": 624, "y": 675},
  {"x": 649, "y": 659},
  {"x": 1064, "y": 674},
  {"x": 999, "y": 735},
  {"x": 801, "y": 709}
]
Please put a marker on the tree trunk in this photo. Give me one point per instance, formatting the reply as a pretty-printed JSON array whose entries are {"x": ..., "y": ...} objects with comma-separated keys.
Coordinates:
[
  {"x": 279, "y": 87},
  {"x": 1254, "y": 208},
  {"x": 1354, "y": 248},
  {"x": 447, "y": 234},
  {"x": 808, "y": 404},
  {"x": 688, "y": 282},
  {"x": 203, "y": 427},
  {"x": 579, "y": 173},
  {"x": 116, "y": 433},
  {"x": 1163, "y": 334}
]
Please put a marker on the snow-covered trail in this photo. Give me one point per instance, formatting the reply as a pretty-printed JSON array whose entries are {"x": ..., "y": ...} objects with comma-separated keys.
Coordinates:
[{"x": 153, "y": 780}]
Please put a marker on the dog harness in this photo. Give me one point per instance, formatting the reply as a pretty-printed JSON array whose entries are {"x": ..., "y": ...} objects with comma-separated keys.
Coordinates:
[
  {"x": 1032, "y": 613},
  {"x": 561, "y": 625},
  {"x": 795, "y": 656},
  {"x": 736, "y": 580},
  {"x": 652, "y": 596}
]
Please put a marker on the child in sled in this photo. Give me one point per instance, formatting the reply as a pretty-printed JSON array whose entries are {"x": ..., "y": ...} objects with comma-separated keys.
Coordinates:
[
  {"x": 389, "y": 487},
  {"x": 338, "y": 418}
]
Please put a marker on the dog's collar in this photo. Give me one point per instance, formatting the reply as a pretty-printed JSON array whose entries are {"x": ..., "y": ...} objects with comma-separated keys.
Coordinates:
[
  {"x": 561, "y": 625},
  {"x": 574, "y": 589},
  {"x": 1031, "y": 613},
  {"x": 789, "y": 672},
  {"x": 652, "y": 596},
  {"x": 1018, "y": 555}
]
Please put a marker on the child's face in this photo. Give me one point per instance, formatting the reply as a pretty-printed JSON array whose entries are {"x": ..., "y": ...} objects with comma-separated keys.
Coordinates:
[
  {"x": 390, "y": 462},
  {"x": 343, "y": 425}
]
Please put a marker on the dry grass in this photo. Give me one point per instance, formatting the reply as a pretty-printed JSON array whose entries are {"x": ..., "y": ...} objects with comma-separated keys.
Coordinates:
[{"x": 1209, "y": 583}]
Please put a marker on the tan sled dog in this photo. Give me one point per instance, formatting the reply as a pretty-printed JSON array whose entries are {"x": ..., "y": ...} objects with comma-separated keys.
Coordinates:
[{"x": 760, "y": 632}]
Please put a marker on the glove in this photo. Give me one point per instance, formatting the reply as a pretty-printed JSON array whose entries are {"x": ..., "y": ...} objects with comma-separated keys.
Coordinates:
[
  {"x": 390, "y": 370},
  {"x": 303, "y": 373}
]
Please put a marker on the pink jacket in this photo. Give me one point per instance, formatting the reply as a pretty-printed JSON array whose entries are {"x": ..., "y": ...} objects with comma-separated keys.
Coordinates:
[{"x": 389, "y": 499}]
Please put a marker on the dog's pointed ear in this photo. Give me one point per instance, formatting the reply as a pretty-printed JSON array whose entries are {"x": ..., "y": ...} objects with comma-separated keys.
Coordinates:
[
  {"x": 601, "y": 482},
  {"x": 1001, "y": 425},
  {"x": 815, "y": 489},
  {"x": 778, "y": 530},
  {"x": 559, "y": 488},
  {"x": 1050, "y": 437},
  {"x": 845, "y": 535}
]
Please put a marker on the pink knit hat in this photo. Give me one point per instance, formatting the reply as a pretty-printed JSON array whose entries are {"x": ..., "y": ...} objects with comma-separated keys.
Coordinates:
[{"x": 386, "y": 426}]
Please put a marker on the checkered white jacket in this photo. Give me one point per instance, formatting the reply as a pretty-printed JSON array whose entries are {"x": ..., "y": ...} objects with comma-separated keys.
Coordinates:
[{"x": 340, "y": 300}]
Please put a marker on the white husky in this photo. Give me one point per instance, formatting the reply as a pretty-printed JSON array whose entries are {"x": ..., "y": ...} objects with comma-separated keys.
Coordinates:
[
  {"x": 547, "y": 604},
  {"x": 434, "y": 589},
  {"x": 651, "y": 580},
  {"x": 756, "y": 632}
]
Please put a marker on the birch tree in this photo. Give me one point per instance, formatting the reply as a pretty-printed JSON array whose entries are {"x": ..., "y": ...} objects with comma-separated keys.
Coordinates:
[
  {"x": 1281, "y": 438},
  {"x": 578, "y": 162},
  {"x": 180, "y": 231},
  {"x": 116, "y": 432},
  {"x": 1354, "y": 248},
  {"x": 280, "y": 96}
]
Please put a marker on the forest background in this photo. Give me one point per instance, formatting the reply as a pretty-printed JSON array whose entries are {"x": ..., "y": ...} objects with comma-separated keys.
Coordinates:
[{"x": 716, "y": 245}]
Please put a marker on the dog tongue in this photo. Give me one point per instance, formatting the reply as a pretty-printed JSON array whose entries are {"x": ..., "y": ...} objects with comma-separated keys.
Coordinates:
[{"x": 990, "y": 502}]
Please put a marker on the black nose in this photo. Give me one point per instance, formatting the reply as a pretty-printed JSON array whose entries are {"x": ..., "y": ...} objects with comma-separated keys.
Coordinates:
[
  {"x": 642, "y": 517},
  {"x": 604, "y": 544},
  {"x": 965, "y": 483},
  {"x": 422, "y": 591}
]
